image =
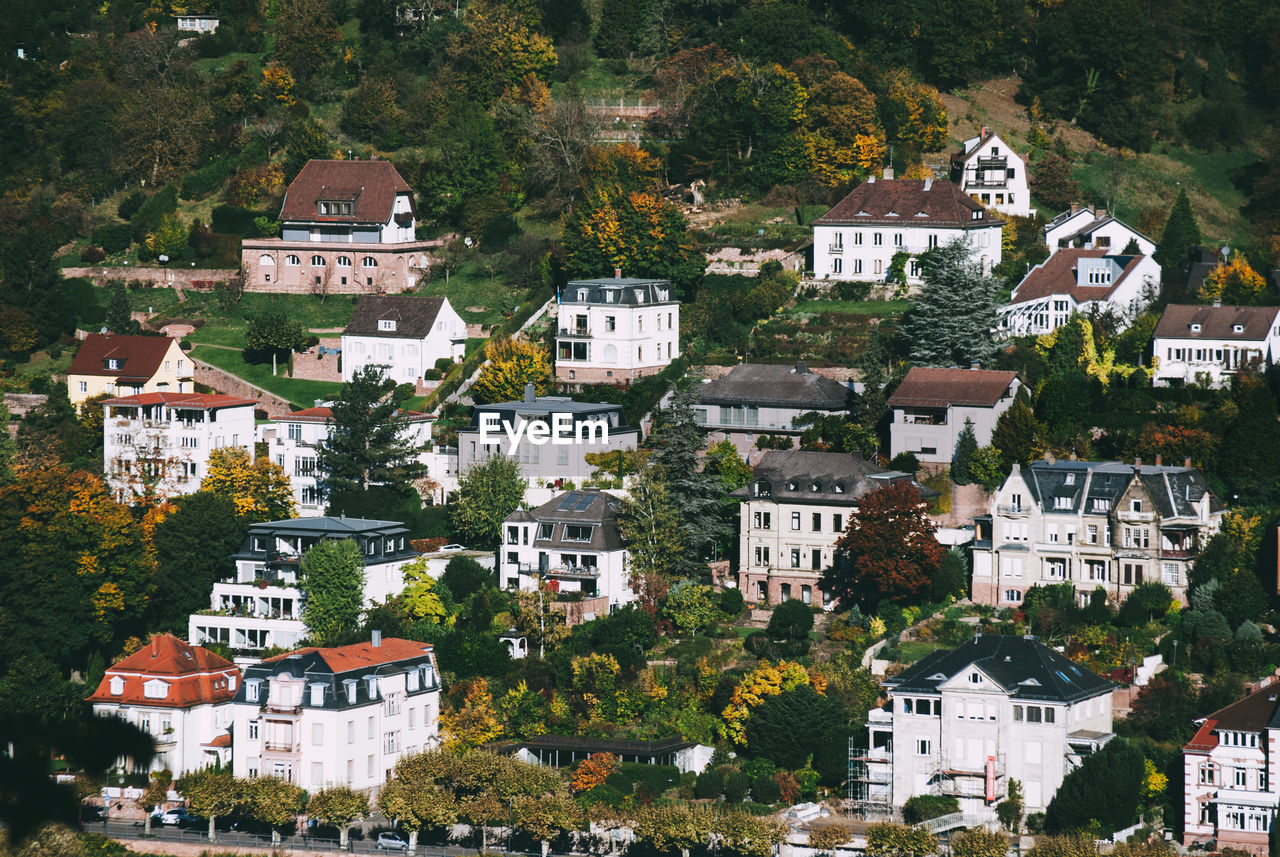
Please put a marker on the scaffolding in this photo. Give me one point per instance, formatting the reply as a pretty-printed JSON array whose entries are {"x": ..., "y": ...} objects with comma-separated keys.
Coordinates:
[{"x": 870, "y": 784}]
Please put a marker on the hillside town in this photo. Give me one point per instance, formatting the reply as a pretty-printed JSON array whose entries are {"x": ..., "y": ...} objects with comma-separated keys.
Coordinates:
[{"x": 566, "y": 428}]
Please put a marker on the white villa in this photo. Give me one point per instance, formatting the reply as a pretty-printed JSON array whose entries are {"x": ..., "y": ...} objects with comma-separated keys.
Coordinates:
[
  {"x": 1093, "y": 229},
  {"x": 990, "y": 171},
  {"x": 613, "y": 331},
  {"x": 405, "y": 336},
  {"x": 1209, "y": 344},
  {"x": 930, "y": 407},
  {"x": 1078, "y": 280}
]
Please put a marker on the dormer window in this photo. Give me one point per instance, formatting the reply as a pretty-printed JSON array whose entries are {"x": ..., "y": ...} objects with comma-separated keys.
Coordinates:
[
  {"x": 387, "y": 324},
  {"x": 815, "y": 487},
  {"x": 1237, "y": 328},
  {"x": 333, "y": 208},
  {"x": 115, "y": 363},
  {"x": 371, "y": 683},
  {"x": 155, "y": 689},
  {"x": 411, "y": 680},
  {"x": 317, "y": 695},
  {"x": 251, "y": 689},
  {"x": 117, "y": 685},
  {"x": 1195, "y": 327},
  {"x": 837, "y": 488},
  {"x": 793, "y": 486},
  {"x": 582, "y": 294},
  {"x": 350, "y": 685},
  {"x": 428, "y": 675}
]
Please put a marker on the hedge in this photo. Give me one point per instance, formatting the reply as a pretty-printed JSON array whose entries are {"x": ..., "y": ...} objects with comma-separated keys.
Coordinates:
[
  {"x": 113, "y": 237},
  {"x": 232, "y": 220}
]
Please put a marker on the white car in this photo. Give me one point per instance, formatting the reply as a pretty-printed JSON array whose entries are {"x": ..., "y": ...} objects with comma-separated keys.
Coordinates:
[
  {"x": 391, "y": 842},
  {"x": 451, "y": 548},
  {"x": 179, "y": 817}
]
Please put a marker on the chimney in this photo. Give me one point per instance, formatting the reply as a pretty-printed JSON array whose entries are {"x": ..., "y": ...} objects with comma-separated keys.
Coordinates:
[
  {"x": 1159, "y": 459},
  {"x": 1100, "y": 213},
  {"x": 376, "y": 639},
  {"x": 887, "y": 174},
  {"x": 1137, "y": 464},
  {"x": 1075, "y": 207},
  {"x": 1186, "y": 462},
  {"x": 801, "y": 368},
  {"x": 1048, "y": 458},
  {"x": 985, "y": 132},
  {"x": 617, "y": 273},
  {"x": 974, "y": 366},
  {"x": 1217, "y": 302},
  {"x": 155, "y": 646},
  {"x": 529, "y": 394},
  {"x": 928, "y": 184}
]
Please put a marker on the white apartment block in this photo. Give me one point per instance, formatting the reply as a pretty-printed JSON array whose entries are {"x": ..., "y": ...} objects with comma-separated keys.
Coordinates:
[
  {"x": 992, "y": 173},
  {"x": 404, "y": 336},
  {"x": 1230, "y": 773},
  {"x": 858, "y": 238},
  {"x": 262, "y": 606},
  {"x": 792, "y": 513},
  {"x": 1093, "y": 229},
  {"x": 612, "y": 331},
  {"x": 1094, "y": 524},
  {"x": 337, "y": 717},
  {"x": 930, "y": 408},
  {"x": 965, "y": 722},
  {"x": 572, "y": 539},
  {"x": 159, "y": 443},
  {"x": 1084, "y": 281},
  {"x": 1208, "y": 345},
  {"x": 177, "y": 693}
]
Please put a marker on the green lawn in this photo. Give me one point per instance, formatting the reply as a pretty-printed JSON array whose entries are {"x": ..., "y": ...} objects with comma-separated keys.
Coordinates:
[
  {"x": 308, "y": 310},
  {"x": 299, "y": 392},
  {"x": 469, "y": 286},
  {"x": 218, "y": 335},
  {"x": 876, "y": 308},
  {"x": 914, "y": 650},
  {"x": 155, "y": 300}
]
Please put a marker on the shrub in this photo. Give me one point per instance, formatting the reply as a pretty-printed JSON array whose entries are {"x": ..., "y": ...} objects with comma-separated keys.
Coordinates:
[
  {"x": 791, "y": 620},
  {"x": 130, "y": 204},
  {"x": 765, "y": 789},
  {"x": 736, "y": 786},
  {"x": 91, "y": 255},
  {"x": 731, "y": 601},
  {"x": 924, "y": 807},
  {"x": 906, "y": 462},
  {"x": 432, "y": 375},
  {"x": 207, "y": 179},
  {"x": 709, "y": 785},
  {"x": 852, "y": 290},
  {"x": 113, "y": 237},
  {"x": 403, "y": 393},
  {"x": 444, "y": 364},
  {"x": 231, "y": 220}
]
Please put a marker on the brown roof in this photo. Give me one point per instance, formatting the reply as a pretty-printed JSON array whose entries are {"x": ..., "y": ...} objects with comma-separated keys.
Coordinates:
[
  {"x": 791, "y": 386},
  {"x": 1057, "y": 276},
  {"x": 194, "y": 674},
  {"x": 1255, "y": 713},
  {"x": 901, "y": 203},
  {"x": 414, "y": 316},
  {"x": 938, "y": 388},
  {"x": 211, "y": 401},
  {"x": 142, "y": 355},
  {"x": 362, "y": 655},
  {"x": 1216, "y": 322},
  {"x": 371, "y": 185}
]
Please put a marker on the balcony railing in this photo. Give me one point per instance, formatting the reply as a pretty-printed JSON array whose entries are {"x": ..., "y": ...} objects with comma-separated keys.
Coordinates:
[
  {"x": 994, "y": 184},
  {"x": 835, "y": 248},
  {"x": 997, "y": 162},
  {"x": 1013, "y": 510},
  {"x": 574, "y": 571},
  {"x": 280, "y": 746},
  {"x": 577, "y": 332}
]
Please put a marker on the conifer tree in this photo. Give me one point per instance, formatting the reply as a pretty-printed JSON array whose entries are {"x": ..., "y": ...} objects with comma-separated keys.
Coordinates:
[
  {"x": 369, "y": 444},
  {"x": 966, "y": 446},
  {"x": 1018, "y": 435},
  {"x": 1181, "y": 233},
  {"x": 954, "y": 319}
]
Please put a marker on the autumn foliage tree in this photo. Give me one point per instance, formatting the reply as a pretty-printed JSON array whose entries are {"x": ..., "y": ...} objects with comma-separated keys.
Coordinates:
[
  {"x": 888, "y": 552},
  {"x": 511, "y": 364},
  {"x": 473, "y": 723},
  {"x": 260, "y": 489},
  {"x": 593, "y": 770},
  {"x": 1234, "y": 282}
]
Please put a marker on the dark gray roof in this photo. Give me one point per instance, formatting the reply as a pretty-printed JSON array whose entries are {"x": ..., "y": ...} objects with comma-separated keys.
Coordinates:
[
  {"x": 338, "y": 668},
  {"x": 588, "y": 507},
  {"x": 817, "y": 477},
  {"x": 1174, "y": 490},
  {"x": 414, "y": 317},
  {"x": 307, "y": 531},
  {"x": 783, "y": 386},
  {"x": 540, "y": 407},
  {"x": 624, "y": 291},
  {"x": 1024, "y": 668},
  {"x": 329, "y": 526}
]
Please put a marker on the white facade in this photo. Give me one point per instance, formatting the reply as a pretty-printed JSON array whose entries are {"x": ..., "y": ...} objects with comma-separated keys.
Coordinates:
[
  {"x": 993, "y": 174},
  {"x": 931, "y": 406},
  {"x": 337, "y": 717},
  {"x": 160, "y": 442},
  {"x": 1209, "y": 345},
  {"x": 196, "y": 23},
  {"x": 1093, "y": 229},
  {"x": 405, "y": 356},
  {"x": 611, "y": 331},
  {"x": 1083, "y": 282}
]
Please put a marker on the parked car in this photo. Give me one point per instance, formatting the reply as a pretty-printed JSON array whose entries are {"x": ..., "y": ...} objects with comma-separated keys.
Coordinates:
[
  {"x": 391, "y": 842},
  {"x": 451, "y": 548},
  {"x": 180, "y": 818}
]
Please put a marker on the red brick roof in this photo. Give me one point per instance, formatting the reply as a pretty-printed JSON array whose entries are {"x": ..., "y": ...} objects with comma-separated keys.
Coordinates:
[
  {"x": 195, "y": 675},
  {"x": 1057, "y": 276},
  {"x": 907, "y": 203},
  {"x": 938, "y": 388},
  {"x": 1216, "y": 322},
  {"x": 325, "y": 414},
  {"x": 371, "y": 185},
  {"x": 142, "y": 355},
  {"x": 210, "y": 401},
  {"x": 362, "y": 655}
]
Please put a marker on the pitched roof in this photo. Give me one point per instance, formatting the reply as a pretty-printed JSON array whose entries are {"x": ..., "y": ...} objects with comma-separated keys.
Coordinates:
[
  {"x": 1057, "y": 276},
  {"x": 589, "y": 506},
  {"x": 414, "y": 317},
  {"x": 361, "y": 656},
  {"x": 938, "y": 388},
  {"x": 204, "y": 401},
  {"x": 902, "y": 202},
  {"x": 1099, "y": 220},
  {"x": 1257, "y": 711},
  {"x": 839, "y": 478},
  {"x": 194, "y": 675},
  {"x": 1023, "y": 668},
  {"x": 142, "y": 356},
  {"x": 342, "y": 671},
  {"x": 624, "y": 291},
  {"x": 1217, "y": 322},
  {"x": 767, "y": 384},
  {"x": 370, "y": 185},
  {"x": 1072, "y": 486}
]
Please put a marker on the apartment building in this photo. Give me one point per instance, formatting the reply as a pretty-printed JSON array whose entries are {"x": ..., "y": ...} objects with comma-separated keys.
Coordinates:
[
  {"x": 261, "y": 606},
  {"x": 615, "y": 330},
  {"x": 1094, "y": 524},
  {"x": 158, "y": 444},
  {"x": 120, "y": 365},
  {"x": 337, "y": 717},
  {"x": 930, "y": 408},
  {"x": 964, "y": 722},
  {"x": 991, "y": 172},
  {"x": 1196, "y": 344}
]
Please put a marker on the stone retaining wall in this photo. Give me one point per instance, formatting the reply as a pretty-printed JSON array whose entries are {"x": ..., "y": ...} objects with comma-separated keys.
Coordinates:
[
  {"x": 225, "y": 382},
  {"x": 181, "y": 277}
]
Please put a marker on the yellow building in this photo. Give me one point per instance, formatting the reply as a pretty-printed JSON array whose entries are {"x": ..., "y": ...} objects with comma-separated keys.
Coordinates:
[{"x": 128, "y": 365}]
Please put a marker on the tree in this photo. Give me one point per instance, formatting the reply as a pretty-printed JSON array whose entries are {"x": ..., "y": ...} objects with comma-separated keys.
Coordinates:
[
  {"x": 899, "y": 840},
  {"x": 211, "y": 793},
  {"x": 790, "y": 728},
  {"x": 1018, "y": 435},
  {"x": 304, "y": 140},
  {"x": 464, "y": 577},
  {"x": 8, "y": 447},
  {"x": 119, "y": 318},
  {"x": 499, "y": 51},
  {"x": 1107, "y": 787},
  {"x": 544, "y": 817},
  {"x": 274, "y": 802},
  {"x": 338, "y": 806},
  {"x": 193, "y": 546},
  {"x": 827, "y": 838},
  {"x": 475, "y": 722},
  {"x": 690, "y": 608},
  {"x": 966, "y": 446},
  {"x": 1253, "y": 472},
  {"x": 487, "y": 494},
  {"x": 416, "y": 806},
  {"x": 1067, "y": 845},
  {"x": 481, "y": 810},
  {"x": 650, "y": 528},
  {"x": 1181, "y": 233},
  {"x": 273, "y": 333},
  {"x": 671, "y": 826},
  {"x": 920, "y": 808},
  {"x": 306, "y": 37},
  {"x": 1052, "y": 184},
  {"x": 790, "y": 620},
  {"x": 260, "y": 490},
  {"x": 593, "y": 771},
  {"x": 1234, "y": 282},
  {"x": 1009, "y": 810},
  {"x": 419, "y": 596},
  {"x": 331, "y": 577},
  {"x": 153, "y": 796},
  {"x": 560, "y": 136},
  {"x": 954, "y": 319},
  {"x": 979, "y": 842},
  {"x": 888, "y": 552},
  {"x": 724, "y": 460},
  {"x": 511, "y": 365},
  {"x": 371, "y": 441}
]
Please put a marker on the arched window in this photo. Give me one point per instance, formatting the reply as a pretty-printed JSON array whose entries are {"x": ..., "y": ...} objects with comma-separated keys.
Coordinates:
[
  {"x": 267, "y": 260},
  {"x": 369, "y": 262},
  {"x": 317, "y": 260},
  {"x": 344, "y": 261},
  {"x": 292, "y": 261}
]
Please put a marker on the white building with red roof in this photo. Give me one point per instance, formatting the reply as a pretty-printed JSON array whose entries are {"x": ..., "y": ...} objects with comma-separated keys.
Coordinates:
[
  {"x": 1195, "y": 343},
  {"x": 159, "y": 443},
  {"x": 118, "y": 364},
  {"x": 858, "y": 238},
  {"x": 930, "y": 407},
  {"x": 178, "y": 693},
  {"x": 338, "y": 716},
  {"x": 1078, "y": 280},
  {"x": 347, "y": 227}
]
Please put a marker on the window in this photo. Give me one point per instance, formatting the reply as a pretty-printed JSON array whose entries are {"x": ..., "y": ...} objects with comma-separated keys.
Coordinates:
[
  {"x": 763, "y": 520},
  {"x": 837, "y": 266},
  {"x": 817, "y": 522},
  {"x": 351, "y": 732},
  {"x": 857, "y": 266},
  {"x": 577, "y": 533},
  {"x": 837, "y": 243},
  {"x": 897, "y": 239},
  {"x": 1033, "y": 714},
  {"x": 251, "y": 689},
  {"x": 391, "y": 742},
  {"x": 1170, "y": 574},
  {"x": 369, "y": 262},
  {"x": 795, "y": 520},
  {"x": 1048, "y": 714},
  {"x": 795, "y": 557},
  {"x": 1242, "y": 777},
  {"x": 762, "y": 555},
  {"x": 334, "y": 208},
  {"x": 253, "y": 730},
  {"x": 924, "y": 747},
  {"x": 1092, "y": 537},
  {"x": 388, "y": 324},
  {"x": 1013, "y": 596},
  {"x": 975, "y": 678},
  {"x": 317, "y": 260},
  {"x": 610, "y": 323},
  {"x": 292, "y": 261},
  {"x": 344, "y": 261},
  {"x": 837, "y": 523},
  {"x": 1135, "y": 505},
  {"x": 544, "y": 531},
  {"x": 117, "y": 685},
  {"x": 317, "y": 695},
  {"x": 84, "y": 386},
  {"x": 879, "y": 266},
  {"x": 877, "y": 239},
  {"x": 857, "y": 238},
  {"x": 317, "y": 734},
  {"x": 394, "y": 703}
]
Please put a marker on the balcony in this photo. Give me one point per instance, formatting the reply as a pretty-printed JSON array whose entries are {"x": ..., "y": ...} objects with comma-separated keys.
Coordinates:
[
  {"x": 576, "y": 572},
  {"x": 575, "y": 333},
  {"x": 281, "y": 709},
  {"x": 1013, "y": 511},
  {"x": 280, "y": 746},
  {"x": 835, "y": 248},
  {"x": 1138, "y": 517},
  {"x": 995, "y": 162},
  {"x": 986, "y": 184}
]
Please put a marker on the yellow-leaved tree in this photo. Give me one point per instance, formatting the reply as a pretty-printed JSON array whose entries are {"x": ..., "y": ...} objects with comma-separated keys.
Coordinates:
[
  {"x": 260, "y": 489},
  {"x": 764, "y": 681},
  {"x": 1233, "y": 282},
  {"x": 475, "y": 722},
  {"x": 419, "y": 597},
  {"x": 513, "y": 363}
]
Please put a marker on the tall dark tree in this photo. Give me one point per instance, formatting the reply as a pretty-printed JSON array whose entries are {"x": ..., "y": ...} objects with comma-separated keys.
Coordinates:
[
  {"x": 331, "y": 577},
  {"x": 954, "y": 319},
  {"x": 1018, "y": 435},
  {"x": 966, "y": 446},
  {"x": 1107, "y": 787},
  {"x": 791, "y": 728},
  {"x": 193, "y": 551},
  {"x": 1253, "y": 471},
  {"x": 370, "y": 443},
  {"x": 119, "y": 319},
  {"x": 1181, "y": 233}
]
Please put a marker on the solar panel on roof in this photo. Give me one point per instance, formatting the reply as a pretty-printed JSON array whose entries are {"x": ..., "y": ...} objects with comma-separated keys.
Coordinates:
[
  {"x": 583, "y": 503},
  {"x": 567, "y": 503}
]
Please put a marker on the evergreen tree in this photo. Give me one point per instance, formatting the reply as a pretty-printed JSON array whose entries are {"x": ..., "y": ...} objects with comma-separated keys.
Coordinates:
[
  {"x": 331, "y": 577},
  {"x": 1018, "y": 435},
  {"x": 370, "y": 443},
  {"x": 487, "y": 493},
  {"x": 119, "y": 319},
  {"x": 966, "y": 446},
  {"x": 954, "y": 319},
  {"x": 1181, "y": 233},
  {"x": 1253, "y": 472},
  {"x": 1107, "y": 787}
]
